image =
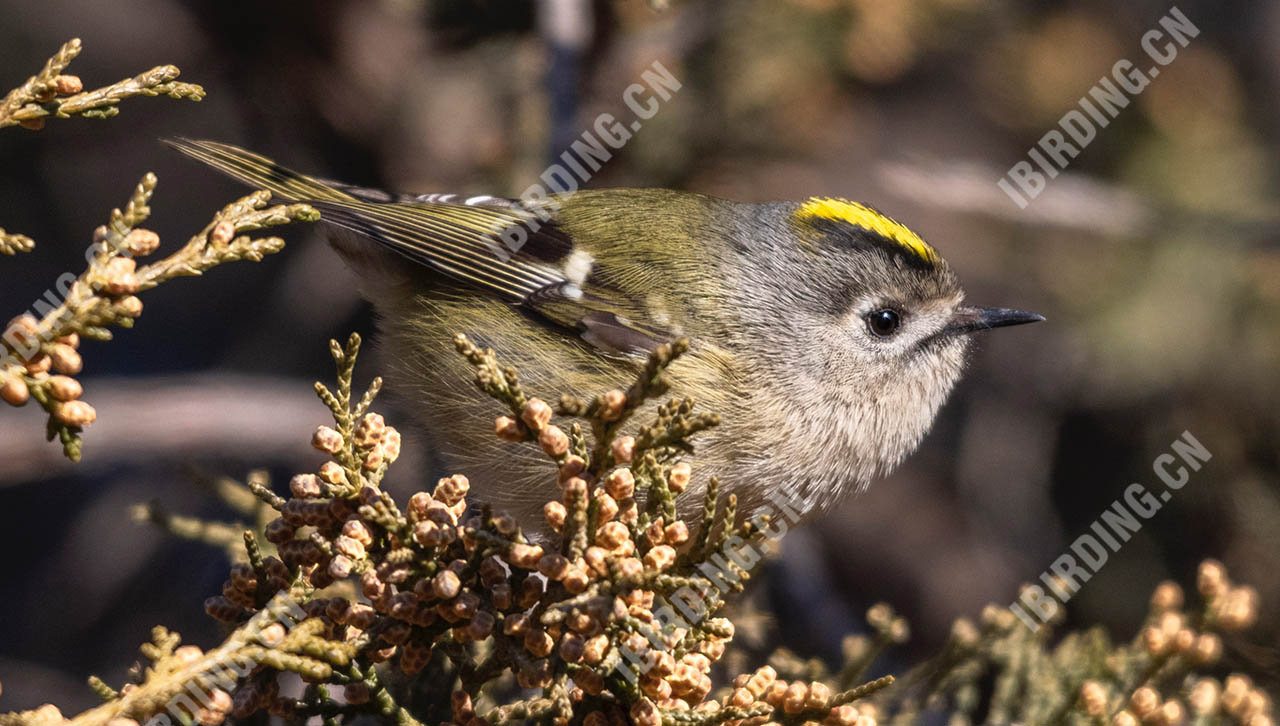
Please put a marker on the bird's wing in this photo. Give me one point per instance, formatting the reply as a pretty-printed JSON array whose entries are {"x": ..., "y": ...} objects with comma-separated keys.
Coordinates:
[{"x": 495, "y": 245}]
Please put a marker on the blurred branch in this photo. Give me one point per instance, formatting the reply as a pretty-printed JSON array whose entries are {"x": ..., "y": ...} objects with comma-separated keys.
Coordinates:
[
  {"x": 181, "y": 419},
  {"x": 1075, "y": 201}
]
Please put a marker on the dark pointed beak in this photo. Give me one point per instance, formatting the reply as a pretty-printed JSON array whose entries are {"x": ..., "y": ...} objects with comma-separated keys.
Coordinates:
[{"x": 971, "y": 320}]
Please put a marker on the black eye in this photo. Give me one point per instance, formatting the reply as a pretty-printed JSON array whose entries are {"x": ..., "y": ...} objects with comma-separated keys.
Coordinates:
[{"x": 883, "y": 323}]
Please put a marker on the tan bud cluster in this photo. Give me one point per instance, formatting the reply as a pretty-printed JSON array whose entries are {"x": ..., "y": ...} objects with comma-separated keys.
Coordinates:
[
  {"x": 538, "y": 642},
  {"x": 553, "y": 441},
  {"x": 611, "y": 535},
  {"x": 64, "y": 358},
  {"x": 370, "y": 430},
  {"x": 141, "y": 242},
  {"x": 67, "y": 85},
  {"x": 1170, "y": 713},
  {"x": 1237, "y": 609},
  {"x": 606, "y": 506},
  {"x": 553, "y": 566},
  {"x": 524, "y": 556},
  {"x": 376, "y": 443},
  {"x": 612, "y": 404},
  {"x": 23, "y": 331},
  {"x": 964, "y": 634},
  {"x": 660, "y": 558},
  {"x": 59, "y": 392},
  {"x": 340, "y": 567},
  {"x": 1206, "y": 650},
  {"x": 676, "y": 533},
  {"x": 555, "y": 514},
  {"x": 1093, "y": 698},
  {"x": 305, "y": 486},
  {"x": 217, "y": 706},
  {"x": 1167, "y": 596},
  {"x": 327, "y": 439},
  {"x": 678, "y": 477},
  {"x": 75, "y": 413},
  {"x": 536, "y": 414},
  {"x": 1204, "y": 696},
  {"x": 119, "y": 276},
  {"x": 129, "y": 306},
  {"x": 575, "y": 491},
  {"x": 508, "y": 429},
  {"x": 1211, "y": 579},
  {"x": 349, "y": 546},
  {"x": 571, "y": 466},
  {"x": 39, "y": 364},
  {"x": 645, "y": 713},
  {"x": 1247, "y": 703},
  {"x": 621, "y": 484},
  {"x": 623, "y": 449},
  {"x": 331, "y": 473},
  {"x": 14, "y": 391},
  {"x": 1144, "y": 702},
  {"x": 485, "y": 578}
]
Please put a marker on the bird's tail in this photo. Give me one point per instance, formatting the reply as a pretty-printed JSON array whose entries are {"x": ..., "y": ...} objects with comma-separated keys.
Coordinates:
[
  {"x": 259, "y": 172},
  {"x": 467, "y": 239}
]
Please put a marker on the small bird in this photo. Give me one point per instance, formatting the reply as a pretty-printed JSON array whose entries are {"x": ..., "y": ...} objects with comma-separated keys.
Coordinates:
[{"x": 826, "y": 334}]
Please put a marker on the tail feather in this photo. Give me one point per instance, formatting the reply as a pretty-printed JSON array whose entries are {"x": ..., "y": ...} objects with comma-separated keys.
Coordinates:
[
  {"x": 258, "y": 171},
  {"x": 459, "y": 239}
]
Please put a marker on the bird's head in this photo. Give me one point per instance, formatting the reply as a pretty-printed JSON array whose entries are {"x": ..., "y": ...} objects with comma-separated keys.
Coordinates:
[{"x": 864, "y": 329}]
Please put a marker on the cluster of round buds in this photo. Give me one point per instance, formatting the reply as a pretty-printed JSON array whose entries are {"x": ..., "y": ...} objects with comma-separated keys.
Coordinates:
[
  {"x": 49, "y": 367},
  {"x": 998, "y": 619},
  {"x": 119, "y": 276},
  {"x": 615, "y": 548},
  {"x": 882, "y": 618},
  {"x": 376, "y": 443},
  {"x": 623, "y": 449},
  {"x": 1229, "y": 607},
  {"x": 1248, "y": 704},
  {"x": 669, "y": 682},
  {"x": 612, "y": 404},
  {"x": 243, "y": 590},
  {"x": 794, "y": 697},
  {"x": 535, "y": 417},
  {"x": 1146, "y": 706},
  {"x": 1171, "y": 633},
  {"x": 215, "y": 708},
  {"x": 1093, "y": 699}
]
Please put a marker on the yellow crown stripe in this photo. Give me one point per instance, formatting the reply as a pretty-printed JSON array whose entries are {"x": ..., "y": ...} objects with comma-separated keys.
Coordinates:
[{"x": 843, "y": 210}]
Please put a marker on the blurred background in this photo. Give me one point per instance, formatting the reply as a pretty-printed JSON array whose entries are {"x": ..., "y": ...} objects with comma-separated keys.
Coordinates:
[{"x": 1155, "y": 258}]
